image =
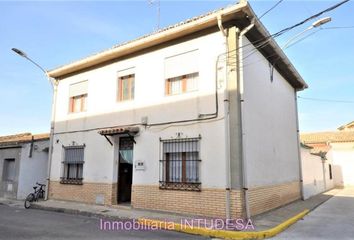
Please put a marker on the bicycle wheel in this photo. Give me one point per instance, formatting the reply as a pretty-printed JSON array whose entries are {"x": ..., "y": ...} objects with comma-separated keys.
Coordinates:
[
  {"x": 28, "y": 200},
  {"x": 41, "y": 194}
]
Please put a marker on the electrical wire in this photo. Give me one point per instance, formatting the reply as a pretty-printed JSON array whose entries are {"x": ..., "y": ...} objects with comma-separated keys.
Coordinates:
[
  {"x": 338, "y": 27},
  {"x": 281, "y": 32},
  {"x": 274, "y": 54},
  {"x": 310, "y": 18},
  {"x": 325, "y": 100},
  {"x": 266, "y": 12}
]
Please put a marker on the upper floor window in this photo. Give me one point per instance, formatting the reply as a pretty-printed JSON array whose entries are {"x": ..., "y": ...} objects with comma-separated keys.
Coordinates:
[
  {"x": 182, "y": 72},
  {"x": 78, "y": 103},
  {"x": 78, "y": 97},
  {"x": 126, "y": 86},
  {"x": 182, "y": 84}
]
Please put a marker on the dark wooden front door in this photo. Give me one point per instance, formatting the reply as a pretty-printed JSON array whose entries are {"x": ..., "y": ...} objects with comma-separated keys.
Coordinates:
[{"x": 125, "y": 169}]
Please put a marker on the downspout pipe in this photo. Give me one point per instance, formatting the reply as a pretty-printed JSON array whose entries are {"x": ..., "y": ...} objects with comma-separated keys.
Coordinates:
[
  {"x": 242, "y": 120},
  {"x": 227, "y": 127},
  {"x": 324, "y": 173},
  {"x": 301, "y": 181},
  {"x": 55, "y": 83}
]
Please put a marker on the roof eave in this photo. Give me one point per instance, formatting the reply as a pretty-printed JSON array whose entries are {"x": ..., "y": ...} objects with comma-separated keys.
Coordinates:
[
  {"x": 149, "y": 41},
  {"x": 284, "y": 66}
]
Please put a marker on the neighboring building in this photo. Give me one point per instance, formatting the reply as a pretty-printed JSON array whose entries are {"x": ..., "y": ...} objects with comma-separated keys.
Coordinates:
[
  {"x": 171, "y": 122},
  {"x": 339, "y": 148},
  {"x": 23, "y": 162},
  {"x": 347, "y": 127},
  {"x": 317, "y": 172}
]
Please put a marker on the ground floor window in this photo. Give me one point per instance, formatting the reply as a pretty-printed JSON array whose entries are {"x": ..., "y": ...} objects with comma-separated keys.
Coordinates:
[
  {"x": 9, "y": 170},
  {"x": 179, "y": 164},
  {"x": 330, "y": 171},
  {"x": 73, "y": 165}
]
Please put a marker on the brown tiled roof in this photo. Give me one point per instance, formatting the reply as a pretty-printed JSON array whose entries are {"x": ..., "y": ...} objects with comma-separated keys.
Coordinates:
[
  {"x": 189, "y": 20},
  {"x": 22, "y": 138},
  {"x": 348, "y": 126},
  {"x": 240, "y": 12},
  {"x": 119, "y": 130},
  {"x": 320, "y": 149},
  {"x": 324, "y": 137}
]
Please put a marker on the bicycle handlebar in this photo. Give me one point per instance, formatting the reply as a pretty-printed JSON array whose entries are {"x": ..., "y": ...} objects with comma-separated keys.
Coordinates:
[{"x": 39, "y": 184}]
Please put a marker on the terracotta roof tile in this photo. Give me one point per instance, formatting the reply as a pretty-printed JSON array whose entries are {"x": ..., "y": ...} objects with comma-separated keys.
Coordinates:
[
  {"x": 192, "y": 19},
  {"x": 119, "y": 130},
  {"x": 22, "y": 138},
  {"x": 324, "y": 137}
]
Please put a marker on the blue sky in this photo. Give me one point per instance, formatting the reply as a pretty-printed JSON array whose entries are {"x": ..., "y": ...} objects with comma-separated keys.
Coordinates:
[{"x": 55, "y": 33}]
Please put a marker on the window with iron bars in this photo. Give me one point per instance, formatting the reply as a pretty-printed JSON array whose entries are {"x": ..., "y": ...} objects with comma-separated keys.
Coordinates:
[
  {"x": 180, "y": 164},
  {"x": 73, "y": 165}
]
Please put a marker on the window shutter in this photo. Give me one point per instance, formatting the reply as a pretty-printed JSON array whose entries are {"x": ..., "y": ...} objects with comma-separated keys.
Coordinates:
[
  {"x": 78, "y": 89},
  {"x": 182, "y": 64},
  {"x": 74, "y": 154},
  {"x": 126, "y": 72}
]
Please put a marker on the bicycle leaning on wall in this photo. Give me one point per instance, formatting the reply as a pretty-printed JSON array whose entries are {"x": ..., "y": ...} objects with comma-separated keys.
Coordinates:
[{"x": 37, "y": 194}]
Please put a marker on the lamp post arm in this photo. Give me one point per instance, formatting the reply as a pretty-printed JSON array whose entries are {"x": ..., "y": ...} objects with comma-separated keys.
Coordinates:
[
  {"x": 296, "y": 36},
  {"x": 51, "y": 80}
]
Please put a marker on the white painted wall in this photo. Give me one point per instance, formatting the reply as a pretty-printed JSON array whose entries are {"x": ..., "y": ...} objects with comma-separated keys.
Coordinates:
[
  {"x": 149, "y": 88},
  {"x": 315, "y": 174},
  {"x": 103, "y": 110},
  {"x": 32, "y": 169},
  {"x": 270, "y": 123},
  {"x": 342, "y": 155},
  {"x": 98, "y": 166}
]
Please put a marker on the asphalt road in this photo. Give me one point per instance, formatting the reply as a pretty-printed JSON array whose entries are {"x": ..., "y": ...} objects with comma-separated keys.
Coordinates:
[
  {"x": 334, "y": 219},
  {"x": 19, "y": 223}
]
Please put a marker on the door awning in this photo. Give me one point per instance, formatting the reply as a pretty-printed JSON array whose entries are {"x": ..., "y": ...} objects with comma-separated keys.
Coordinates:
[{"x": 119, "y": 130}]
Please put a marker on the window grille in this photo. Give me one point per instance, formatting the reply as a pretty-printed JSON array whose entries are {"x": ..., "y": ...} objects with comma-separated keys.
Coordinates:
[
  {"x": 73, "y": 165},
  {"x": 180, "y": 164}
]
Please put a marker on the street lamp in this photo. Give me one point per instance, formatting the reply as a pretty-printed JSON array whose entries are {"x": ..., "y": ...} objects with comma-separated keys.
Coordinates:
[
  {"x": 54, "y": 84},
  {"x": 315, "y": 24}
]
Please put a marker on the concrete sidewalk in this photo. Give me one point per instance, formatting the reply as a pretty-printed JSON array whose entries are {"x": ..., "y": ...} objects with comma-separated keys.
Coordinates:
[
  {"x": 332, "y": 220},
  {"x": 261, "y": 222},
  {"x": 275, "y": 217}
]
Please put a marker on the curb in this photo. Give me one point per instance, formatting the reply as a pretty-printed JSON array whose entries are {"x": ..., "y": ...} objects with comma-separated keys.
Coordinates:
[
  {"x": 228, "y": 234},
  {"x": 236, "y": 235},
  {"x": 74, "y": 212}
]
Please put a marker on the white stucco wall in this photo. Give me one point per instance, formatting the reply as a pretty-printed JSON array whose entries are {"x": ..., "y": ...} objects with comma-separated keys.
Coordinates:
[
  {"x": 315, "y": 174},
  {"x": 150, "y": 99},
  {"x": 342, "y": 155},
  {"x": 98, "y": 156},
  {"x": 103, "y": 110},
  {"x": 32, "y": 169},
  {"x": 270, "y": 145}
]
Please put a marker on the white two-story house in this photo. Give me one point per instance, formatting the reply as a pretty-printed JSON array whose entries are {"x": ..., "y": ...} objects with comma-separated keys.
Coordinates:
[{"x": 190, "y": 119}]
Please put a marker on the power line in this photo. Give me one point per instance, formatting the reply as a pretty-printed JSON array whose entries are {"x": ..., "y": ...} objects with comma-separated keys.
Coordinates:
[
  {"x": 266, "y": 12},
  {"x": 266, "y": 40},
  {"x": 325, "y": 100},
  {"x": 274, "y": 54},
  {"x": 338, "y": 27},
  {"x": 310, "y": 18}
]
